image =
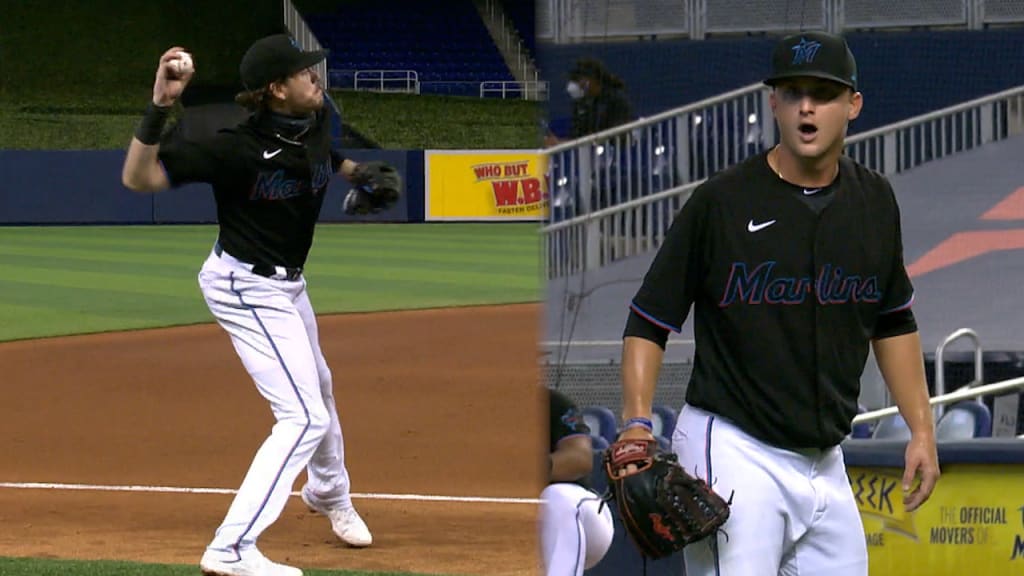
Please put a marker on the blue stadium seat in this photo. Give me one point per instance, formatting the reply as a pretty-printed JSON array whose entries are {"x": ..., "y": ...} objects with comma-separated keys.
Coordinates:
[
  {"x": 892, "y": 428},
  {"x": 664, "y": 420},
  {"x": 598, "y": 443},
  {"x": 598, "y": 480},
  {"x": 864, "y": 429},
  {"x": 601, "y": 422},
  {"x": 664, "y": 443},
  {"x": 443, "y": 43},
  {"x": 963, "y": 421}
]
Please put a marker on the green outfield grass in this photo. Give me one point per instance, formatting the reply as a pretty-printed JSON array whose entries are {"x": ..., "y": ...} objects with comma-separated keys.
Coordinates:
[
  {"x": 40, "y": 567},
  {"x": 75, "y": 280}
]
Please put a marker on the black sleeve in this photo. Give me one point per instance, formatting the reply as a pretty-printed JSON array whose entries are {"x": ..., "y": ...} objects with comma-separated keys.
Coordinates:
[
  {"x": 895, "y": 324},
  {"x": 206, "y": 160},
  {"x": 640, "y": 327},
  {"x": 566, "y": 420},
  {"x": 895, "y": 316},
  {"x": 675, "y": 276}
]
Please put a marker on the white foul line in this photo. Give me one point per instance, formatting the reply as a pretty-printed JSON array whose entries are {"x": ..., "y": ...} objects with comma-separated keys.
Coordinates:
[{"x": 180, "y": 490}]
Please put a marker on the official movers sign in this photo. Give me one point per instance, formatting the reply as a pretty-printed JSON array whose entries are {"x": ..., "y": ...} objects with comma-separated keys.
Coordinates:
[
  {"x": 485, "y": 185},
  {"x": 973, "y": 524}
]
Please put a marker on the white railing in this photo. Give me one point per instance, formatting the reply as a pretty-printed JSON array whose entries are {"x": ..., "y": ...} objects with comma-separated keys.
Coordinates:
[
  {"x": 595, "y": 180},
  {"x": 510, "y": 42},
  {"x": 531, "y": 90},
  {"x": 299, "y": 30},
  {"x": 940, "y": 363},
  {"x": 570, "y": 21},
  {"x": 950, "y": 398},
  {"x": 615, "y": 219},
  {"x": 904, "y": 145},
  {"x": 404, "y": 81}
]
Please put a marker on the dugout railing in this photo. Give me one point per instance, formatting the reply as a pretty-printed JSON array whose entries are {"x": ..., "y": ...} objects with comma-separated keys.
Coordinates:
[
  {"x": 614, "y": 194},
  {"x": 965, "y": 393}
]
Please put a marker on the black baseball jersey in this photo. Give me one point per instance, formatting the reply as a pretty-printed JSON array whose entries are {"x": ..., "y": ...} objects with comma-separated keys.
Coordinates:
[
  {"x": 566, "y": 422},
  {"x": 786, "y": 297},
  {"x": 268, "y": 189}
]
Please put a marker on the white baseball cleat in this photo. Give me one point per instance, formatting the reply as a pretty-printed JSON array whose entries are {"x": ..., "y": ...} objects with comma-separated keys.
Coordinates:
[
  {"x": 346, "y": 523},
  {"x": 252, "y": 563}
]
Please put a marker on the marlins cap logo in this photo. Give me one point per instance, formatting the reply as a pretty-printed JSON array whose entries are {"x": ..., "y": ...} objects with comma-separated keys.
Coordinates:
[{"x": 804, "y": 52}]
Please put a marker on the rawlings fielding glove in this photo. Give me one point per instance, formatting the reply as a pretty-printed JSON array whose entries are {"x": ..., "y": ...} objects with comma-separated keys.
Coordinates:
[
  {"x": 375, "y": 187},
  {"x": 662, "y": 507}
]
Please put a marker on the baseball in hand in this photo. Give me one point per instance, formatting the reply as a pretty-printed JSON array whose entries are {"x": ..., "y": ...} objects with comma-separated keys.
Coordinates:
[{"x": 182, "y": 65}]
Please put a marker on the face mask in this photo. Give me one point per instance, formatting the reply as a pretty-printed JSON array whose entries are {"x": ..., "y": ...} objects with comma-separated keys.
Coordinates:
[{"x": 575, "y": 90}]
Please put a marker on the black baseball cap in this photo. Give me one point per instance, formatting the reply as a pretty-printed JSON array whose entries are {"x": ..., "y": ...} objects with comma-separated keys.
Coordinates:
[
  {"x": 274, "y": 57},
  {"x": 814, "y": 54}
]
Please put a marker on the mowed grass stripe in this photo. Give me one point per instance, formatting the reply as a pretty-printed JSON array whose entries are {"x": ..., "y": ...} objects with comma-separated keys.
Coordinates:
[
  {"x": 52, "y": 567},
  {"x": 41, "y": 322},
  {"x": 163, "y": 266},
  {"x": 355, "y": 241},
  {"x": 70, "y": 280}
]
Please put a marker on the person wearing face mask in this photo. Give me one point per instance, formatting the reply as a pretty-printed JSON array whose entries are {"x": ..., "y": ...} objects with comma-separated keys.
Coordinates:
[{"x": 599, "y": 100}]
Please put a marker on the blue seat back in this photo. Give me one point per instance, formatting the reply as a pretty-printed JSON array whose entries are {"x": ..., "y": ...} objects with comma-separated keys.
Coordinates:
[
  {"x": 892, "y": 428},
  {"x": 963, "y": 421},
  {"x": 601, "y": 422}
]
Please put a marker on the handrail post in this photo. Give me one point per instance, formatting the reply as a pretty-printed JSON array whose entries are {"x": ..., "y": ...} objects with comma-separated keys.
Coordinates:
[{"x": 940, "y": 368}]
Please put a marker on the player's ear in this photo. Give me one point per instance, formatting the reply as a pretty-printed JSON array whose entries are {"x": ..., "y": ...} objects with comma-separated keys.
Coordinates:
[
  {"x": 772, "y": 100},
  {"x": 276, "y": 89},
  {"x": 856, "y": 103}
]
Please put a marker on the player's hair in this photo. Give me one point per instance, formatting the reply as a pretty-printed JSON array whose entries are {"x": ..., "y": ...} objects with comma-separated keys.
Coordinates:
[{"x": 253, "y": 100}]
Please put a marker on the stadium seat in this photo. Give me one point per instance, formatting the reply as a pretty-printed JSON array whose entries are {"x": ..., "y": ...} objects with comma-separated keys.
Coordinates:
[
  {"x": 892, "y": 428},
  {"x": 664, "y": 443},
  {"x": 864, "y": 429},
  {"x": 963, "y": 421},
  {"x": 598, "y": 480},
  {"x": 598, "y": 443},
  {"x": 601, "y": 422},
  {"x": 664, "y": 420}
]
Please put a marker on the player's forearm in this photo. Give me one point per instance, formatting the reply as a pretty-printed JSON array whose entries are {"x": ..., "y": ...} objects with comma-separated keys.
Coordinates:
[
  {"x": 901, "y": 363},
  {"x": 142, "y": 171},
  {"x": 641, "y": 363}
]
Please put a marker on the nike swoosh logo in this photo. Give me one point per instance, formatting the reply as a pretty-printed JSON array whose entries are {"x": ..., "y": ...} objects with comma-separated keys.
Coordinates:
[
  {"x": 267, "y": 155},
  {"x": 751, "y": 227},
  {"x": 810, "y": 192}
]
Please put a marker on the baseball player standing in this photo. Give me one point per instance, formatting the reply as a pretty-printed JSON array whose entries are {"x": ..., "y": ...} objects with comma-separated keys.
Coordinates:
[
  {"x": 575, "y": 529},
  {"x": 792, "y": 261},
  {"x": 269, "y": 176}
]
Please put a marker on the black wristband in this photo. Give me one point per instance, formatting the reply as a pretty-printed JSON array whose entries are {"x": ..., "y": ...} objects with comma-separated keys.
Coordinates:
[{"x": 152, "y": 125}]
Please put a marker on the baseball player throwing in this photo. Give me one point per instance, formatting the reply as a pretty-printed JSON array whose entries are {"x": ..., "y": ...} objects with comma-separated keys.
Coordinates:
[
  {"x": 269, "y": 176},
  {"x": 792, "y": 261},
  {"x": 575, "y": 530}
]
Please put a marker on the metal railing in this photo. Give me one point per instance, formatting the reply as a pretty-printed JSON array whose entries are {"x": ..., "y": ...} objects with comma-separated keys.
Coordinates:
[
  {"x": 610, "y": 192},
  {"x": 940, "y": 364},
  {"x": 509, "y": 42},
  {"x": 299, "y": 30},
  {"x": 530, "y": 90},
  {"x": 950, "y": 398},
  {"x": 570, "y": 21},
  {"x": 404, "y": 81},
  {"x": 904, "y": 145}
]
